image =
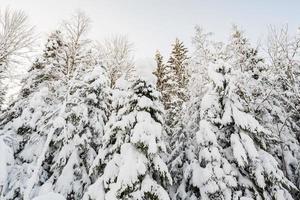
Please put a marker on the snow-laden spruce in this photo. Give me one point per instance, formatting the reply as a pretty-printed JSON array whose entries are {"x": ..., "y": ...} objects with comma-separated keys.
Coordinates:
[
  {"x": 24, "y": 121},
  {"x": 184, "y": 150},
  {"x": 57, "y": 123},
  {"x": 172, "y": 80},
  {"x": 267, "y": 89},
  {"x": 232, "y": 160},
  {"x": 79, "y": 130},
  {"x": 129, "y": 164}
]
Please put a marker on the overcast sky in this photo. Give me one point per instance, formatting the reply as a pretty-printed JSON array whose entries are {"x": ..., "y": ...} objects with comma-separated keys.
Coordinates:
[{"x": 154, "y": 24}]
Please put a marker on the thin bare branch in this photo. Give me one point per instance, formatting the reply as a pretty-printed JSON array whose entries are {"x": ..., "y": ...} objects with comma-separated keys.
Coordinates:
[{"x": 16, "y": 36}]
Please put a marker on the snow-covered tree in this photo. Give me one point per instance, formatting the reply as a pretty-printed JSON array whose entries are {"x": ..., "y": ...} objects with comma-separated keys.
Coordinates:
[
  {"x": 159, "y": 71},
  {"x": 244, "y": 56},
  {"x": 168, "y": 84},
  {"x": 232, "y": 160},
  {"x": 246, "y": 60},
  {"x": 205, "y": 51},
  {"x": 184, "y": 144},
  {"x": 180, "y": 154},
  {"x": 59, "y": 117},
  {"x": 129, "y": 164},
  {"x": 76, "y": 127},
  {"x": 77, "y": 138},
  {"x": 279, "y": 109},
  {"x": 174, "y": 79},
  {"x": 179, "y": 61},
  {"x": 24, "y": 120}
]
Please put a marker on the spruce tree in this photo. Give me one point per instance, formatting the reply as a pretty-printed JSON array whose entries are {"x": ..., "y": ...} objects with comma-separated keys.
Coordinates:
[
  {"x": 205, "y": 51},
  {"x": 176, "y": 76},
  {"x": 232, "y": 160},
  {"x": 129, "y": 163},
  {"x": 251, "y": 66},
  {"x": 160, "y": 71},
  {"x": 59, "y": 118},
  {"x": 179, "y": 61},
  {"x": 168, "y": 84},
  {"x": 72, "y": 128},
  {"x": 265, "y": 89},
  {"x": 184, "y": 146},
  {"x": 25, "y": 119},
  {"x": 172, "y": 80},
  {"x": 77, "y": 139}
]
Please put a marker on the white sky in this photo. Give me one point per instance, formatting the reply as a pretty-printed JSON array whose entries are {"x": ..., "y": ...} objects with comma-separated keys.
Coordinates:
[{"x": 154, "y": 24}]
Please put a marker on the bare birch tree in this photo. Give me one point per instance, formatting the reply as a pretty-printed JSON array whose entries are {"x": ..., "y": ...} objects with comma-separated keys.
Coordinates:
[
  {"x": 283, "y": 52},
  {"x": 116, "y": 53},
  {"x": 16, "y": 41},
  {"x": 74, "y": 31}
]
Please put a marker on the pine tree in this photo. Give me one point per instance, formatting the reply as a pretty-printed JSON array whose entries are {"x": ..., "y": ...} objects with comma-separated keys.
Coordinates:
[
  {"x": 178, "y": 61},
  {"x": 172, "y": 79},
  {"x": 232, "y": 160},
  {"x": 160, "y": 71},
  {"x": 175, "y": 81},
  {"x": 168, "y": 84},
  {"x": 130, "y": 163}
]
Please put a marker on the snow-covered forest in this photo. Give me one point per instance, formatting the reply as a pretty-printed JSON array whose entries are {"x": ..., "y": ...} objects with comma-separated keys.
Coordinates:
[{"x": 216, "y": 121}]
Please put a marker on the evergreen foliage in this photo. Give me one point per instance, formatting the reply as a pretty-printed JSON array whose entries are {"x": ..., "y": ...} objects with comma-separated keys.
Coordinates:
[{"x": 130, "y": 163}]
